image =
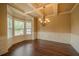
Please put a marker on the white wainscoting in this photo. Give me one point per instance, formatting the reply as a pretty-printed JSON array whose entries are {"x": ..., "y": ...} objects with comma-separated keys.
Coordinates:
[
  {"x": 75, "y": 42},
  {"x": 53, "y": 36}
]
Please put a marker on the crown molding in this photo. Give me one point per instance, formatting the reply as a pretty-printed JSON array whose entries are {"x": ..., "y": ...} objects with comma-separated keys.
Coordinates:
[
  {"x": 66, "y": 12},
  {"x": 74, "y": 7},
  {"x": 70, "y": 10}
]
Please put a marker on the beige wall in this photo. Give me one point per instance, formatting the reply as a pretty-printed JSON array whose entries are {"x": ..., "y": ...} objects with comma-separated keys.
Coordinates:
[
  {"x": 35, "y": 27},
  {"x": 60, "y": 23},
  {"x": 57, "y": 30},
  {"x": 75, "y": 21},
  {"x": 75, "y": 28},
  {"x": 3, "y": 19},
  {"x": 3, "y": 29}
]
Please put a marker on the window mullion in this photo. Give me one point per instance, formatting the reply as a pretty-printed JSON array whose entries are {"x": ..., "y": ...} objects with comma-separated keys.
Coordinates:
[
  {"x": 13, "y": 26},
  {"x": 24, "y": 27}
]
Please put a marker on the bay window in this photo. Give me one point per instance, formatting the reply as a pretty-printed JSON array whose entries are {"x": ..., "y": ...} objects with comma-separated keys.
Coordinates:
[
  {"x": 9, "y": 27},
  {"x": 18, "y": 27},
  {"x": 28, "y": 27}
]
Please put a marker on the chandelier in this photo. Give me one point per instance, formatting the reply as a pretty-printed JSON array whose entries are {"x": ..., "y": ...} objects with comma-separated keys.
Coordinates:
[{"x": 44, "y": 20}]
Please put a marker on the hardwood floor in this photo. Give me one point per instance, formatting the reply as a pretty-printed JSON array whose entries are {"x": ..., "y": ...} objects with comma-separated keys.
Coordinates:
[{"x": 41, "y": 48}]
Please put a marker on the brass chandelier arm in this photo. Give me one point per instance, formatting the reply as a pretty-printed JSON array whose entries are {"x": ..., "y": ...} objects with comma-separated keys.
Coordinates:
[
  {"x": 44, "y": 20},
  {"x": 43, "y": 13}
]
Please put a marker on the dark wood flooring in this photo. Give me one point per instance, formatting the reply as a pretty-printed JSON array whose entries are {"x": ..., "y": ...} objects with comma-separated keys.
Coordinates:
[{"x": 41, "y": 48}]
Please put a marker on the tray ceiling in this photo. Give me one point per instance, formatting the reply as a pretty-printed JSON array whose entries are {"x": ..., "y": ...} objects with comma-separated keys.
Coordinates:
[{"x": 36, "y": 9}]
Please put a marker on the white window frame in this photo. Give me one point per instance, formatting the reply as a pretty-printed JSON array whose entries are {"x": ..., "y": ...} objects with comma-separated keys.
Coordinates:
[
  {"x": 16, "y": 19},
  {"x": 8, "y": 28},
  {"x": 28, "y": 28},
  {"x": 24, "y": 30}
]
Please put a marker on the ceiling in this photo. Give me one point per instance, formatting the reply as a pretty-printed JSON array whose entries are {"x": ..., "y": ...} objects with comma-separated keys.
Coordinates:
[
  {"x": 36, "y": 9},
  {"x": 65, "y": 7}
]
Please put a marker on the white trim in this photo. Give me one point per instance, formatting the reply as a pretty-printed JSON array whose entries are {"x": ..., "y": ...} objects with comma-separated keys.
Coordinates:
[
  {"x": 11, "y": 7},
  {"x": 30, "y": 5},
  {"x": 66, "y": 12},
  {"x": 74, "y": 7},
  {"x": 36, "y": 9}
]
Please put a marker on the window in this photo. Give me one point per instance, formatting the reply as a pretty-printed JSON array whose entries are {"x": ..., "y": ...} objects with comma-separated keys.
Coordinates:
[
  {"x": 18, "y": 27},
  {"x": 9, "y": 27},
  {"x": 28, "y": 27}
]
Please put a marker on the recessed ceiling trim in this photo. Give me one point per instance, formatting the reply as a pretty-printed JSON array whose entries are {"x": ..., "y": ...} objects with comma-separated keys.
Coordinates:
[
  {"x": 70, "y": 10},
  {"x": 74, "y": 7},
  {"x": 66, "y": 12},
  {"x": 34, "y": 9},
  {"x": 55, "y": 10},
  {"x": 18, "y": 10},
  {"x": 39, "y": 13},
  {"x": 15, "y": 8}
]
